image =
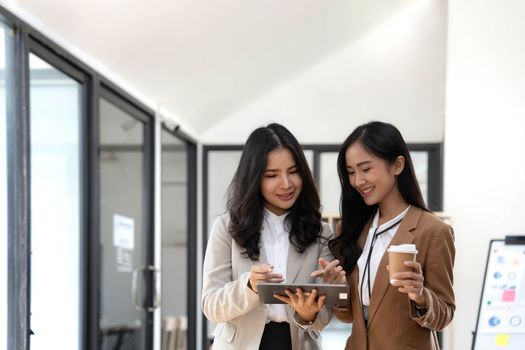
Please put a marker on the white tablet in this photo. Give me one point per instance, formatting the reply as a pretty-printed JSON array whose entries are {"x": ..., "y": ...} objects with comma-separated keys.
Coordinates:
[{"x": 336, "y": 294}]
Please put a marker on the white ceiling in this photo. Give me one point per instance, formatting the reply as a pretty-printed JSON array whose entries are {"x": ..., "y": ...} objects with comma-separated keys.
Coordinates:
[{"x": 202, "y": 60}]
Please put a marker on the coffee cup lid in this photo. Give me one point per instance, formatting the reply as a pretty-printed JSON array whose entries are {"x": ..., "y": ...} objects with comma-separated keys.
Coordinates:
[{"x": 403, "y": 248}]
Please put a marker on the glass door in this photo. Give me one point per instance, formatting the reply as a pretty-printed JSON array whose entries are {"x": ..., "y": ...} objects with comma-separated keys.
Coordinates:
[
  {"x": 126, "y": 236},
  {"x": 56, "y": 203}
]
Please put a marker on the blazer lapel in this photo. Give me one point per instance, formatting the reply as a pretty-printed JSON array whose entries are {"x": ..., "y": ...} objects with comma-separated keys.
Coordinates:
[
  {"x": 295, "y": 261},
  {"x": 382, "y": 282},
  {"x": 240, "y": 263}
]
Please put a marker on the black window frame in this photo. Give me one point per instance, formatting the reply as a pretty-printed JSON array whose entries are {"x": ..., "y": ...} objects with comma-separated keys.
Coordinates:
[{"x": 25, "y": 40}]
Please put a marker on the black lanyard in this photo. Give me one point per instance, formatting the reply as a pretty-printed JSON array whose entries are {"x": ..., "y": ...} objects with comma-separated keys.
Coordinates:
[{"x": 367, "y": 264}]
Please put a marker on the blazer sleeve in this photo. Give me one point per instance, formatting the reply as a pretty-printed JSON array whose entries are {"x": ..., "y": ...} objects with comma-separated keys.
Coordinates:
[
  {"x": 223, "y": 298},
  {"x": 438, "y": 280}
]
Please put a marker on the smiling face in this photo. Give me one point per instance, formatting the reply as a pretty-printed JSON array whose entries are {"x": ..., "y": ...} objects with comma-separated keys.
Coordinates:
[
  {"x": 373, "y": 178},
  {"x": 281, "y": 183}
]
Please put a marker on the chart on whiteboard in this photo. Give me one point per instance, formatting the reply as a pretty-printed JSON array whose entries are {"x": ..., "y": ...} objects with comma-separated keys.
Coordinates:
[{"x": 503, "y": 304}]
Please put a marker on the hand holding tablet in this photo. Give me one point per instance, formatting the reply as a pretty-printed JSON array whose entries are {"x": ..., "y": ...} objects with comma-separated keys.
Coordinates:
[{"x": 335, "y": 294}]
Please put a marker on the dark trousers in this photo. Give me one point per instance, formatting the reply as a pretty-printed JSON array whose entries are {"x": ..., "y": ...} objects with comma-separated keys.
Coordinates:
[{"x": 276, "y": 336}]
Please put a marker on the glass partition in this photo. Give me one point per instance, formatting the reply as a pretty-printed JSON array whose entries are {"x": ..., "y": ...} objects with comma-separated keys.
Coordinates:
[
  {"x": 174, "y": 187},
  {"x": 55, "y": 120},
  {"x": 3, "y": 193}
]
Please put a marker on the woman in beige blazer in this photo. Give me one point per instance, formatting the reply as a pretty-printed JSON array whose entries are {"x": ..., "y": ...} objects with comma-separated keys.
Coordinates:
[
  {"x": 382, "y": 206},
  {"x": 271, "y": 232}
]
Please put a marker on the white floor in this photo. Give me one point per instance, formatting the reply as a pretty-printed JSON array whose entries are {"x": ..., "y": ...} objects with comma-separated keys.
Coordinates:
[{"x": 334, "y": 336}]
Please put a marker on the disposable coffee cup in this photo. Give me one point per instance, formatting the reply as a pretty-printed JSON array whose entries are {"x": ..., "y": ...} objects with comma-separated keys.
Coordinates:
[{"x": 397, "y": 255}]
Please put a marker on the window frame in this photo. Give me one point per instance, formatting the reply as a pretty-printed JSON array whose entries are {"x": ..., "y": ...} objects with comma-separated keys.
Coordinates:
[{"x": 24, "y": 41}]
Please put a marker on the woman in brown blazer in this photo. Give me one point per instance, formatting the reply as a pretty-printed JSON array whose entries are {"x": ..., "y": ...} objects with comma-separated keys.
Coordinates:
[{"x": 382, "y": 205}]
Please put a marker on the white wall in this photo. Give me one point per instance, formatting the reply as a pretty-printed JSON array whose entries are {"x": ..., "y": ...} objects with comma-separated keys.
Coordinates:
[
  {"x": 395, "y": 72},
  {"x": 484, "y": 139}
]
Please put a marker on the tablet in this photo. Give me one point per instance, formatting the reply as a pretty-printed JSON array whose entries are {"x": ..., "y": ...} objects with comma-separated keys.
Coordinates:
[{"x": 336, "y": 294}]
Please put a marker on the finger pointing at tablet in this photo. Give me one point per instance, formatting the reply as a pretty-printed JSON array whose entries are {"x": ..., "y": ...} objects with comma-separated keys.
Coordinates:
[
  {"x": 263, "y": 273},
  {"x": 330, "y": 272}
]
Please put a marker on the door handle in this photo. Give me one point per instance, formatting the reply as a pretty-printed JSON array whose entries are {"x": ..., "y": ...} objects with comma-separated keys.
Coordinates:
[
  {"x": 156, "y": 284},
  {"x": 137, "y": 286}
]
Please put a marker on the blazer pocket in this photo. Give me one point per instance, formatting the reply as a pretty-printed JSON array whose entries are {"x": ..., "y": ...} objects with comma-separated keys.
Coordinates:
[{"x": 225, "y": 331}]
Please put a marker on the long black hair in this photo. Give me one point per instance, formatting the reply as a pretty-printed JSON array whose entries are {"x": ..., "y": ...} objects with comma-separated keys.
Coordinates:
[
  {"x": 246, "y": 202},
  {"x": 386, "y": 142}
]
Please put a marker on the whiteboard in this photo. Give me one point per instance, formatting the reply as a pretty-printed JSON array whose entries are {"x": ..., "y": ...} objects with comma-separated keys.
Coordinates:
[{"x": 501, "y": 313}]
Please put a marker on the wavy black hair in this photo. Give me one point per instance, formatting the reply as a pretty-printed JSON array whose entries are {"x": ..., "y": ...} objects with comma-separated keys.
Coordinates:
[
  {"x": 246, "y": 202},
  {"x": 386, "y": 142}
]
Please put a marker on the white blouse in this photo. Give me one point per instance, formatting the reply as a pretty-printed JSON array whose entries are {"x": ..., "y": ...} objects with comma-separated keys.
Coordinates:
[
  {"x": 381, "y": 243},
  {"x": 275, "y": 238}
]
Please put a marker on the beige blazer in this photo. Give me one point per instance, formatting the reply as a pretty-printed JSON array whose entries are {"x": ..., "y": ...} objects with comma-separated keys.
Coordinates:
[
  {"x": 393, "y": 322},
  {"x": 228, "y": 301}
]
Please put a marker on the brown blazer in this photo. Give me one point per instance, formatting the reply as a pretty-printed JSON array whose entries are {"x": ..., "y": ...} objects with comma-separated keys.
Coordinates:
[{"x": 393, "y": 322}]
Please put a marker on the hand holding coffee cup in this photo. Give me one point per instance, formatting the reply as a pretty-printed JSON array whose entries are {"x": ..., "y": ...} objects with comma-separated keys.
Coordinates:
[
  {"x": 397, "y": 255},
  {"x": 405, "y": 271}
]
